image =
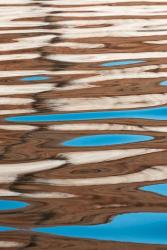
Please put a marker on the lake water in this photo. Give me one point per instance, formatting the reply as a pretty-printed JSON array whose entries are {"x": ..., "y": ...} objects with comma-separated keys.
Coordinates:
[
  {"x": 105, "y": 140},
  {"x": 83, "y": 124},
  {"x": 148, "y": 114},
  {"x": 160, "y": 189}
]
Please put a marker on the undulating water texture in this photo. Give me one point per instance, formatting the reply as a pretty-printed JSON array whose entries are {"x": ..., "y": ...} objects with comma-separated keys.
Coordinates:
[
  {"x": 83, "y": 124},
  {"x": 163, "y": 83},
  {"x": 105, "y": 140},
  {"x": 34, "y": 78},
  {"x": 149, "y": 228},
  {"x": 159, "y": 113},
  {"x": 120, "y": 63},
  {"x": 10, "y": 204},
  {"x": 160, "y": 189}
]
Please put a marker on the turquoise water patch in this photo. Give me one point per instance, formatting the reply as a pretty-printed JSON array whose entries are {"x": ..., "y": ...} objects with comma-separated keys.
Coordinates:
[
  {"x": 121, "y": 63},
  {"x": 4, "y": 229},
  {"x": 156, "y": 188},
  {"x": 163, "y": 83},
  {"x": 106, "y": 140},
  {"x": 34, "y": 78},
  {"x": 159, "y": 113},
  {"x": 11, "y": 205},
  {"x": 146, "y": 227}
]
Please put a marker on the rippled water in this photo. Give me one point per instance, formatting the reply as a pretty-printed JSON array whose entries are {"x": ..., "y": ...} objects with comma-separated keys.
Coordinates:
[
  {"x": 147, "y": 228},
  {"x": 9, "y": 204},
  {"x": 105, "y": 140},
  {"x": 83, "y": 124},
  {"x": 156, "y": 188},
  {"x": 152, "y": 113}
]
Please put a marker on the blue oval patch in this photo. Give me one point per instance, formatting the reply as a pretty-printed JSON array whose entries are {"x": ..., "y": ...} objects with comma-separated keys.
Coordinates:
[
  {"x": 146, "y": 227},
  {"x": 106, "y": 140},
  {"x": 11, "y": 205},
  {"x": 159, "y": 113}
]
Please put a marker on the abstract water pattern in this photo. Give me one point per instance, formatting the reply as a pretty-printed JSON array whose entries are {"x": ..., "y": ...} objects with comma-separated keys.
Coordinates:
[
  {"x": 121, "y": 63},
  {"x": 34, "y": 78},
  {"x": 149, "y": 228},
  {"x": 83, "y": 124},
  {"x": 163, "y": 83},
  {"x": 159, "y": 113},
  {"x": 160, "y": 189},
  {"x": 10, "y": 204},
  {"x": 105, "y": 140}
]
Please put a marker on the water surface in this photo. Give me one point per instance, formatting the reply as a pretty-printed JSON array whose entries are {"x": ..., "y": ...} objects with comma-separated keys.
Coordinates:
[
  {"x": 62, "y": 62},
  {"x": 156, "y": 188},
  {"x": 106, "y": 140},
  {"x": 34, "y": 78},
  {"x": 12, "y": 204},
  {"x": 5, "y": 229},
  {"x": 121, "y": 63},
  {"x": 144, "y": 227},
  {"x": 158, "y": 113},
  {"x": 163, "y": 83}
]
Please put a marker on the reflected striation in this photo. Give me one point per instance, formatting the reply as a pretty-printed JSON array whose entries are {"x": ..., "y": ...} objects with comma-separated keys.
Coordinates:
[
  {"x": 148, "y": 228},
  {"x": 106, "y": 140},
  {"x": 12, "y": 205},
  {"x": 159, "y": 113},
  {"x": 160, "y": 189}
]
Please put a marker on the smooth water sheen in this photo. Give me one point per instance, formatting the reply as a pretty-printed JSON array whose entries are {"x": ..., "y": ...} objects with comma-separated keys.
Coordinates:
[
  {"x": 34, "y": 78},
  {"x": 159, "y": 113},
  {"x": 144, "y": 227},
  {"x": 157, "y": 188},
  {"x": 4, "y": 228},
  {"x": 11, "y": 205},
  {"x": 163, "y": 83},
  {"x": 121, "y": 63},
  {"x": 83, "y": 126},
  {"x": 106, "y": 140}
]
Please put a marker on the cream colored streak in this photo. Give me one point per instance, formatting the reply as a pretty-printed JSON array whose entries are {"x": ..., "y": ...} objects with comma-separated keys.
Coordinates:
[
  {"x": 79, "y": 45},
  {"x": 18, "y": 24},
  {"x": 18, "y": 127},
  {"x": 116, "y": 24},
  {"x": 156, "y": 173},
  {"x": 105, "y": 126},
  {"x": 100, "y": 75},
  {"x": 27, "y": 31},
  {"x": 161, "y": 42},
  {"x": 105, "y": 73},
  {"x": 11, "y": 244},
  {"x": 112, "y": 28},
  {"x": 87, "y": 157},
  {"x": 37, "y": 195},
  {"x": 105, "y": 10},
  {"x": 9, "y": 172},
  {"x": 22, "y": 2},
  {"x": 93, "y": 58},
  {"x": 26, "y": 43},
  {"x": 15, "y": 111},
  {"x": 142, "y": 72},
  {"x": 116, "y": 102},
  {"x": 95, "y": 2},
  {"x": 19, "y": 73},
  {"x": 11, "y": 57},
  {"x": 15, "y": 101},
  {"x": 25, "y": 89},
  {"x": 9, "y": 15}
]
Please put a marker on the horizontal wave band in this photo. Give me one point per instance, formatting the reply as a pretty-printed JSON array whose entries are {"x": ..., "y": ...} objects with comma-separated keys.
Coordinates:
[
  {"x": 143, "y": 227},
  {"x": 106, "y": 140},
  {"x": 159, "y": 113}
]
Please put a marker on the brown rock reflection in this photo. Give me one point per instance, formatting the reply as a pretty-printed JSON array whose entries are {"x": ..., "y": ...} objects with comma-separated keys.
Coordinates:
[{"x": 66, "y": 42}]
